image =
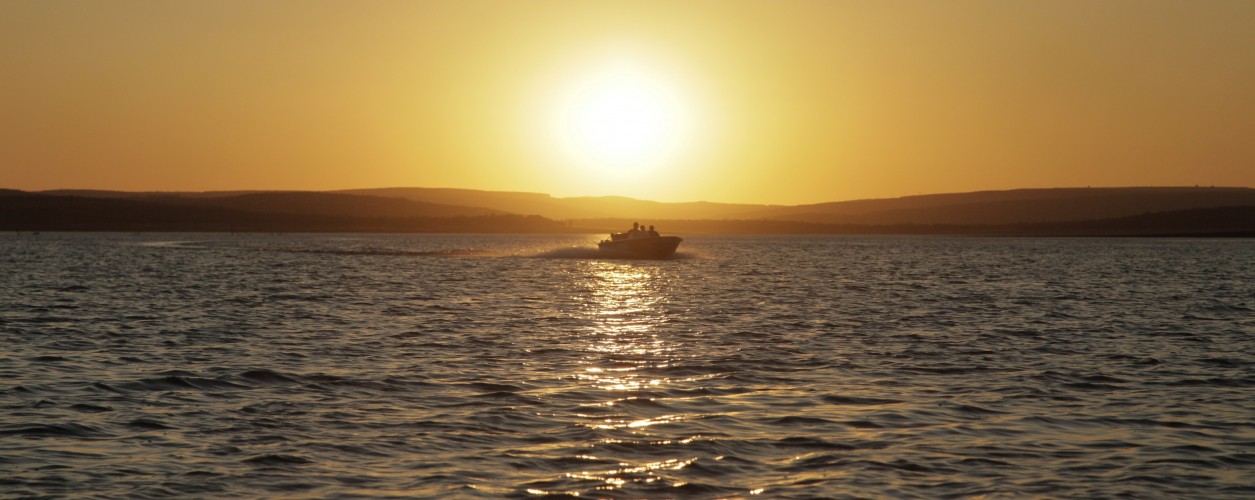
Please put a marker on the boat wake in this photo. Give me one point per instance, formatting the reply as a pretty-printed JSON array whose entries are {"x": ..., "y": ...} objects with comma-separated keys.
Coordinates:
[
  {"x": 593, "y": 253},
  {"x": 570, "y": 253},
  {"x": 455, "y": 252}
]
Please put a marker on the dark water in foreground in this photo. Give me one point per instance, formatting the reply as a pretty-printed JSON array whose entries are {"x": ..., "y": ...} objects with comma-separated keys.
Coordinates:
[{"x": 514, "y": 366}]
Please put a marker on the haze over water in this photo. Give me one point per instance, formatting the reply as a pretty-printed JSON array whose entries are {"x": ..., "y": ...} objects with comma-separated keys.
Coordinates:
[{"x": 513, "y": 366}]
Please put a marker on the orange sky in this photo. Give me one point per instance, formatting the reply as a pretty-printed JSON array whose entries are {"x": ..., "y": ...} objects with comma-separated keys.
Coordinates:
[{"x": 766, "y": 102}]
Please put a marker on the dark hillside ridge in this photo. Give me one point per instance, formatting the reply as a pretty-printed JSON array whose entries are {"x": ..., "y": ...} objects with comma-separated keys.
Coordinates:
[
  {"x": 127, "y": 195},
  {"x": 291, "y": 202},
  {"x": 585, "y": 207},
  {"x": 1201, "y": 222},
  {"x": 982, "y": 207},
  {"x": 328, "y": 204},
  {"x": 1017, "y": 207},
  {"x": 39, "y": 212},
  {"x": 1027, "y": 211}
]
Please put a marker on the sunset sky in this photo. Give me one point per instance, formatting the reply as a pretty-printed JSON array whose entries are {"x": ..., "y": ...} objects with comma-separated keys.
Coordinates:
[{"x": 758, "y": 102}]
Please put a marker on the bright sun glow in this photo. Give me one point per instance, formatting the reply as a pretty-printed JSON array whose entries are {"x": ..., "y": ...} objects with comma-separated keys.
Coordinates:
[{"x": 621, "y": 122}]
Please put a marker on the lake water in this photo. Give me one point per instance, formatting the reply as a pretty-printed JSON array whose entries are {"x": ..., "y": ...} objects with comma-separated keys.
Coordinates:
[{"x": 217, "y": 365}]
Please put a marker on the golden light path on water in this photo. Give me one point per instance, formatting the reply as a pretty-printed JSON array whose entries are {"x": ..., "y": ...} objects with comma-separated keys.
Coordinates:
[{"x": 626, "y": 303}]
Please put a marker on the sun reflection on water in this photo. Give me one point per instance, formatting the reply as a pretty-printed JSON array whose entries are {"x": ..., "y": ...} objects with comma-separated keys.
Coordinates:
[
  {"x": 625, "y": 306},
  {"x": 625, "y": 352}
]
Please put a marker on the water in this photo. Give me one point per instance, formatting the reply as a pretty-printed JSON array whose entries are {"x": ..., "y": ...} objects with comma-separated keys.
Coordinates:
[{"x": 514, "y": 366}]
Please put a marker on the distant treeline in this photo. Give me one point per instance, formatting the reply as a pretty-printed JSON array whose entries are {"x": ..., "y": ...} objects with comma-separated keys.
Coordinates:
[{"x": 286, "y": 212}]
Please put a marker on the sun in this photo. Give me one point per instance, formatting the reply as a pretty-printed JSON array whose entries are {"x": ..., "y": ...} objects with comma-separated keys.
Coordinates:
[{"x": 621, "y": 121}]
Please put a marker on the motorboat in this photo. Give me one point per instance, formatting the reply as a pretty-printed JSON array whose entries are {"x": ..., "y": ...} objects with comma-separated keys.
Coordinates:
[{"x": 620, "y": 246}]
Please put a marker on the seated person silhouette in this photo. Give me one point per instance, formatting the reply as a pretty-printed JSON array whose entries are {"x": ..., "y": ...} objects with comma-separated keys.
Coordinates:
[{"x": 637, "y": 231}]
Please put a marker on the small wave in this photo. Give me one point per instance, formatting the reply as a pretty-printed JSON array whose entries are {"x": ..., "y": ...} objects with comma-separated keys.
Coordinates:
[
  {"x": 799, "y": 420},
  {"x": 636, "y": 402},
  {"x": 174, "y": 244},
  {"x": 107, "y": 388},
  {"x": 1238, "y": 459},
  {"x": 1088, "y": 386},
  {"x": 89, "y": 408},
  {"x": 824, "y": 461},
  {"x": 850, "y": 400},
  {"x": 1217, "y": 382},
  {"x": 55, "y": 430},
  {"x": 489, "y": 386},
  {"x": 946, "y": 370},
  {"x": 501, "y": 396},
  {"x": 1221, "y": 307},
  {"x": 984, "y": 462},
  {"x": 268, "y": 377},
  {"x": 1224, "y": 362},
  {"x": 814, "y": 443},
  {"x": 147, "y": 424},
  {"x": 900, "y": 464},
  {"x": 1143, "y": 422},
  {"x": 973, "y": 409},
  {"x": 180, "y": 383},
  {"x": 278, "y": 459}
]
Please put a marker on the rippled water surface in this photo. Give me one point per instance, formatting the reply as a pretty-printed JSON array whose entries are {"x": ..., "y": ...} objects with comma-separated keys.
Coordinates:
[{"x": 514, "y": 366}]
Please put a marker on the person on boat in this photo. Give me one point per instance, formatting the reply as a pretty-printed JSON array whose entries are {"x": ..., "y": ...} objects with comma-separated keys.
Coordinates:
[
  {"x": 627, "y": 235},
  {"x": 637, "y": 231},
  {"x": 652, "y": 233}
]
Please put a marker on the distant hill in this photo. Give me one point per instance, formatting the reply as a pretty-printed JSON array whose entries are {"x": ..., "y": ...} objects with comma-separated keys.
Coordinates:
[
  {"x": 100, "y": 193},
  {"x": 1236, "y": 221},
  {"x": 503, "y": 201},
  {"x": 292, "y": 202},
  {"x": 1070, "y": 211},
  {"x": 1220, "y": 221},
  {"x": 1019, "y": 206},
  {"x": 588, "y": 207},
  {"x": 264, "y": 212},
  {"x": 330, "y": 204}
]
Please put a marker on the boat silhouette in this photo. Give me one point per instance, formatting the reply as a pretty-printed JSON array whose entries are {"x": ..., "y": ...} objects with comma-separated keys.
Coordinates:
[{"x": 620, "y": 246}]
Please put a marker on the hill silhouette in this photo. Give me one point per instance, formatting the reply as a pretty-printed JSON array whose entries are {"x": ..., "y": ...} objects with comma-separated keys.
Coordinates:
[
  {"x": 1235, "y": 221},
  {"x": 1015, "y": 206},
  {"x": 293, "y": 202},
  {"x": 260, "y": 212},
  {"x": 1018, "y": 206},
  {"x": 1069, "y": 211},
  {"x": 584, "y": 207}
]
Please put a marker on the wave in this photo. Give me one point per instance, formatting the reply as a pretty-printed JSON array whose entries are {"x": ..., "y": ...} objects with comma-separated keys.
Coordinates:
[
  {"x": 179, "y": 383},
  {"x": 851, "y": 400},
  {"x": 278, "y": 460},
  {"x": 55, "y": 430},
  {"x": 268, "y": 377}
]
